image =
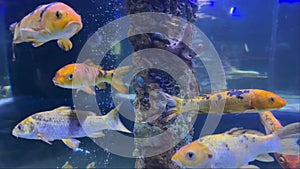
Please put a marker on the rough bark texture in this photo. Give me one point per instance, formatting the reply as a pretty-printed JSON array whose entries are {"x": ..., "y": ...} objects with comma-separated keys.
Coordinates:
[{"x": 148, "y": 82}]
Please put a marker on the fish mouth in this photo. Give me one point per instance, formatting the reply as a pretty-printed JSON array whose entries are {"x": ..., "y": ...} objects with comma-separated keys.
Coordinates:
[
  {"x": 76, "y": 24},
  {"x": 283, "y": 103},
  {"x": 14, "y": 133},
  {"x": 177, "y": 163},
  {"x": 56, "y": 83}
]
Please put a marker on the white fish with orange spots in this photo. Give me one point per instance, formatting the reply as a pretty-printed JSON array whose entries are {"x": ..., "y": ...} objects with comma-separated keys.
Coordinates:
[{"x": 236, "y": 150}]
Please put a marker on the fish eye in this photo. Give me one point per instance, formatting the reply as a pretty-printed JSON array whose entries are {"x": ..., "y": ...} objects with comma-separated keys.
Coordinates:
[
  {"x": 58, "y": 14},
  {"x": 281, "y": 160},
  {"x": 20, "y": 127},
  {"x": 70, "y": 77},
  {"x": 272, "y": 99},
  {"x": 190, "y": 155}
]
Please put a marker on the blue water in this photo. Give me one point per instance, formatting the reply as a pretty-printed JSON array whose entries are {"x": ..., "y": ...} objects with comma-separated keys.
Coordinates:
[{"x": 269, "y": 29}]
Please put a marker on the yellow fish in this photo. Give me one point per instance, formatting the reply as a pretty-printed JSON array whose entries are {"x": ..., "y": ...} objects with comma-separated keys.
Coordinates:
[
  {"x": 272, "y": 125},
  {"x": 53, "y": 21},
  {"x": 82, "y": 76},
  {"x": 66, "y": 124},
  {"x": 241, "y": 100},
  {"x": 229, "y": 150}
]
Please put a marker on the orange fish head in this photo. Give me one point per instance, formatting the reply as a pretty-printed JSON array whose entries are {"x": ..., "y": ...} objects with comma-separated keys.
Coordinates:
[
  {"x": 195, "y": 154},
  {"x": 60, "y": 17},
  {"x": 288, "y": 161},
  {"x": 64, "y": 77},
  {"x": 265, "y": 100}
]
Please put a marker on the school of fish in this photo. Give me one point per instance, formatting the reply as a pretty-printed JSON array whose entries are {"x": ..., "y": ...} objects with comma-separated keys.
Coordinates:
[{"x": 232, "y": 149}]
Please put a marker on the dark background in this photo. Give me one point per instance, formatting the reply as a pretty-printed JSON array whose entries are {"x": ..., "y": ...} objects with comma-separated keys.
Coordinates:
[{"x": 32, "y": 72}]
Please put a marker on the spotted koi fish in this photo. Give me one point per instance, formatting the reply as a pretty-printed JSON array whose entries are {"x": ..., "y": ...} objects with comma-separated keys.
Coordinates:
[
  {"x": 53, "y": 21},
  {"x": 233, "y": 101},
  {"x": 272, "y": 125},
  {"x": 237, "y": 149},
  {"x": 66, "y": 124}
]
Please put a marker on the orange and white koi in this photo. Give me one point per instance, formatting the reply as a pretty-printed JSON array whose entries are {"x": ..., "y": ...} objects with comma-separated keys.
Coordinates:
[
  {"x": 236, "y": 150},
  {"x": 272, "y": 125},
  {"x": 53, "y": 21},
  {"x": 82, "y": 76},
  {"x": 66, "y": 124},
  {"x": 234, "y": 101}
]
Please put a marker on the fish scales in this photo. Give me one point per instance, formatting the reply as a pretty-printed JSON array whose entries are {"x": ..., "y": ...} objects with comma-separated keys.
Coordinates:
[{"x": 59, "y": 124}]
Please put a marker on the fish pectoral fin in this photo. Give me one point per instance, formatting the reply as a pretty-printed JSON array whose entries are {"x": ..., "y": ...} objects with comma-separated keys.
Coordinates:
[
  {"x": 41, "y": 136},
  {"x": 88, "y": 90},
  {"x": 249, "y": 167},
  {"x": 37, "y": 44},
  {"x": 249, "y": 108},
  {"x": 101, "y": 86},
  {"x": 71, "y": 143},
  {"x": 265, "y": 158},
  {"x": 28, "y": 30},
  {"x": 67, "y": 165},
  {"x": 65, "y": 44},
  {"x": 91, "y": 165},
  {"x": 97, "y": 134}
]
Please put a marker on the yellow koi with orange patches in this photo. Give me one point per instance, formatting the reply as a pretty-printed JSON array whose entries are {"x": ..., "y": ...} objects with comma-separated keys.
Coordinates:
[
  {"x": 54, "y": 21},
  {"x": 82, "y": 76},
  {"x": 233, "y": 101},
  {"x": 272, "y": 125},
  {"x": 236, "y": 149}
]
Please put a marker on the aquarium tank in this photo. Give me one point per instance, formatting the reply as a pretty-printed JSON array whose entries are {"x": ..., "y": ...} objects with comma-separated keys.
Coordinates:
[{"x": 150, "y": 84}]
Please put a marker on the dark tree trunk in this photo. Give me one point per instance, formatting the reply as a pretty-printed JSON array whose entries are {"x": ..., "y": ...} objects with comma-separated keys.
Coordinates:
[{"x": 148, "y": 82}]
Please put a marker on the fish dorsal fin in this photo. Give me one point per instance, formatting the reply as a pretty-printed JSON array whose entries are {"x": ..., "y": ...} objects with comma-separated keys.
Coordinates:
[
  {"x": 89, "y": 62},
  {"x": 264, "y": 158},
  {"x": 239, "y": 131},
  {"x": 63, "y": 108},
  {"x": 233, "y": 130}
]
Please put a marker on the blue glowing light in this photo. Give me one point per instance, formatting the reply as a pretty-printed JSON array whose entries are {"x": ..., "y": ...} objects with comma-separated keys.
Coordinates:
[{"x": 232, "y": 10}]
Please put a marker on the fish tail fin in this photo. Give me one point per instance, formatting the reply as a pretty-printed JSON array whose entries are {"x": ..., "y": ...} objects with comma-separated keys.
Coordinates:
[
  {"x": 12, "y": 27},
  {"x": 117, "y": 79},
  {"x": 116, "y": 124},
  {"x": 174, "y": 106},
  {"x": 289, "y": 137}
]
